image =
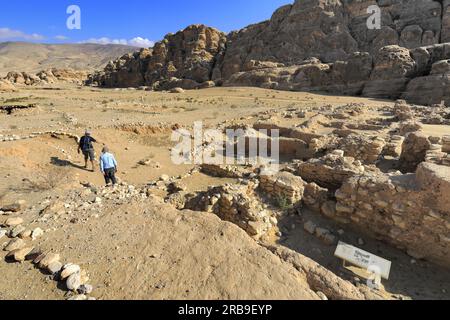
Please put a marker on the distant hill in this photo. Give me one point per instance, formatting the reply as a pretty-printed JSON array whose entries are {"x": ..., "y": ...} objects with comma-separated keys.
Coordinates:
[{"x": 32, "y": 57}]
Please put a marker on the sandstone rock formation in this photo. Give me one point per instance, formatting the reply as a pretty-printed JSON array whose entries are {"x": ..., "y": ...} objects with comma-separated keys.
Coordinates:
[
  {"x": 235, "y": 204},
  {"x": 6, "y": 86},
  {"x": 309, "y": 45},
  {"x": 185, "y": 59},
  {"x": 47, "y": 77},
  {"x": 22, "y": 78}
]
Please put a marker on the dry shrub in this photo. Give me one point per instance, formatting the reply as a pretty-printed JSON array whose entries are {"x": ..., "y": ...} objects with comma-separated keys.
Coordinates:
[{"x": 48, "y": 180}]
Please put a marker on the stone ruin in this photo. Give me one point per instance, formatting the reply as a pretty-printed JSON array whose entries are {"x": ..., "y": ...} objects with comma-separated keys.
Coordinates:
[
  {"x": 341, "y": 177},
  {"x": 283, "y": 187},
  {"x": 6, "y": 86},
  {"x": 247, "y": 204},
  {"x": 411, "y": 211}
]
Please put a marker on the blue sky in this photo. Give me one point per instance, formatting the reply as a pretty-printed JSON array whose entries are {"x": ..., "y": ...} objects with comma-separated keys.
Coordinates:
[{"x": 122, "y": 21}]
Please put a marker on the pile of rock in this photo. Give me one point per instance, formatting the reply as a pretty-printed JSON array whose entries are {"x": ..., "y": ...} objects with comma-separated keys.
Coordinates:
[
  {"x": 414, "y": 150},
  {"x": 319, "y": 200},
  {"x": 393, "y": 148},
  {"x": 446, "y": 144},
  {"x": 364, "y": 148},
  {"x": 439, "y": 152},
  {"x": 409, "y": 126},
  {"x": 325, "y": 235},
  {"x": 283, "y": 186},
  {"x": 403, "y": 112},
  {"x": 237, "y": 204},
  {"x": 46, "y": 77},
  {"x": 435, "y": 154}
]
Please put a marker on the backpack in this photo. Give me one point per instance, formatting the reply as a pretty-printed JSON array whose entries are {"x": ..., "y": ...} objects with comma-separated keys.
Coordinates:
[{"x": 86, "y": 143}]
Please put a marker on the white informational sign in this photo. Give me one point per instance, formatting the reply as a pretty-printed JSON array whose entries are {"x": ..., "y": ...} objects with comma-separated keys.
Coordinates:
[{"x": 363, "y": 259}]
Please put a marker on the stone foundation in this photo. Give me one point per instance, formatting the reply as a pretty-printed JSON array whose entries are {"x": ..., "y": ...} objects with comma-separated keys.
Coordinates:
[
  {"x": 224, "y": 171},
  {"x": 236, "y": 204},
  {"x": 331, "y": 170},
  {"x": 283, "y": 186},
  {"x": 410, "y": 211}
]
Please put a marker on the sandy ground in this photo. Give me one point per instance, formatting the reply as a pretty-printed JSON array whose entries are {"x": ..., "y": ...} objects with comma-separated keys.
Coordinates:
[{"x": 116, "y": 247}]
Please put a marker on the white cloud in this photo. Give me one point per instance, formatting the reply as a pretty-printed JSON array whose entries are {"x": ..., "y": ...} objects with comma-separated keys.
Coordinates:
[
  {"x": 141, "y": 42},
  {"x": 61, "y": 38},
  {"x": 135, "y": 42},
  {"x": 10, "y": 34}
]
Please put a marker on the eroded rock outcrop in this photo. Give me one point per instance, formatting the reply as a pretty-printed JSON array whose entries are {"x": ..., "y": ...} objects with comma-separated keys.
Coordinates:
[
  {"x": 6, "y": 86},
  {"x": 283, "y": 187},
  {"x": 47, "y": 77},
  {"x": 309, "y": 45},
  {"x": 332, "y": 30},
  {"x": 186, "y": 59}
]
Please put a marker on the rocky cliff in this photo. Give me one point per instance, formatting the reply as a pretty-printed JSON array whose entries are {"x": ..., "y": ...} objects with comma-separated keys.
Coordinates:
[
  {"x": 184, "y": 59},
  {"x": 310, "y": 45}
]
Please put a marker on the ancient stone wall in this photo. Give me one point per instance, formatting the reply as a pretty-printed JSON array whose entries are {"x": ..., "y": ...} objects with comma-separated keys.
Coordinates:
[
  {"x": 46, "y": 77},
  {"x": 283, "y": 186},
  {"x": 411, "y": 211},
  {"x": 236, "y": 204},
  {"x": 224, "y": 171}
]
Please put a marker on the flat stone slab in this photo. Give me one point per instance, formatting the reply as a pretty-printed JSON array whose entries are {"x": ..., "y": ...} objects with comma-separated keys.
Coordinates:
[{"x": 363, "y": 259}]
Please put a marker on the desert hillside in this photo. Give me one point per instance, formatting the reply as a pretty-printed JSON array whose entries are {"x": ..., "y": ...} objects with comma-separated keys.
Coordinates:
[{"x": 32, "y": 57}]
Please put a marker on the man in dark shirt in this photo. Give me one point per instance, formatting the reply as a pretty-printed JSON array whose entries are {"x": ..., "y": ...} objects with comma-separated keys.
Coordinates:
[{"x": 87, "y": 148}]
